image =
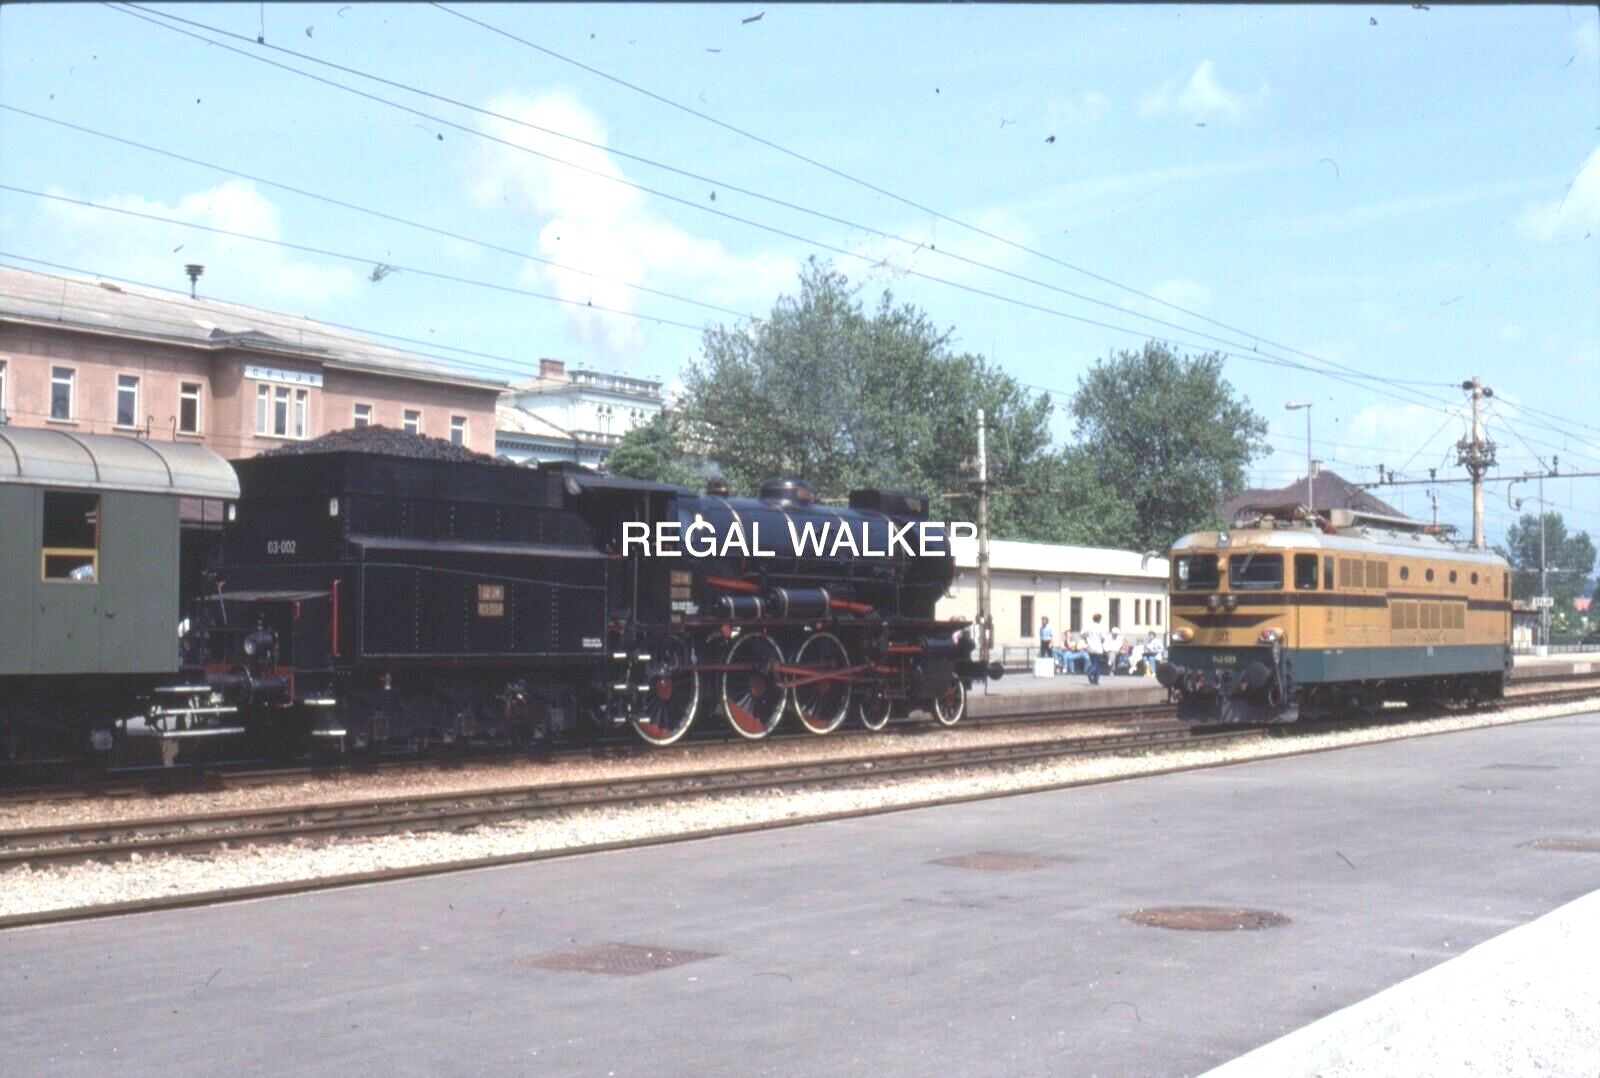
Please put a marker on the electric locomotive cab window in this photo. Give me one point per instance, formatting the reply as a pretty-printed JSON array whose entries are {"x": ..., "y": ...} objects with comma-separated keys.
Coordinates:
[
  {"x": 1327, "y": 574},
  {"x": 71, "y": 537},
  {"x": 1305, "y": 572},
  {"x": 1255, "y": 572},
  {"x": 1195, "y": 572}
]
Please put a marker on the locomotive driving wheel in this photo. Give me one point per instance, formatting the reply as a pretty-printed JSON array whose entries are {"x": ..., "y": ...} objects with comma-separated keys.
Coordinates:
[
  {"x": 873, "y": 707},
  {"x": 821, "y": 702},
  {"x": 753, "y": 697},
  {"x": 672, "y": 695},
  {"x": 951, "y": 707}
]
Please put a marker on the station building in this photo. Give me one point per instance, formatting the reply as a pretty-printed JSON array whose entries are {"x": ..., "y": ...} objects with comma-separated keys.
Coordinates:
[
  {"x": 91, "y": 356},
  {"x": 1067, "y": 584},
  {"x": 577, "y": 415}
]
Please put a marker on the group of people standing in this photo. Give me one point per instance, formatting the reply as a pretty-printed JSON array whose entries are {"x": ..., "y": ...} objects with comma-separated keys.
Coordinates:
[{"x": 1099, "y": 650}]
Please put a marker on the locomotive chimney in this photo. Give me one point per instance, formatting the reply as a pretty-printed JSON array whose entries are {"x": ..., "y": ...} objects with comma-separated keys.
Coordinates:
[{"x": 717, "y": 487}]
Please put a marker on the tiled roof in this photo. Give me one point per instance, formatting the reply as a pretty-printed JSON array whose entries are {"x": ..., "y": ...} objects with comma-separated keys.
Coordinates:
[{"x": 1332, "y": 491}]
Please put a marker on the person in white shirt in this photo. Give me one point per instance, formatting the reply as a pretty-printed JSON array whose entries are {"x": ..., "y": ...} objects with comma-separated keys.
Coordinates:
[
  {"x": 1047, "y": 637},
  {"x": 1095, "y": 642}
]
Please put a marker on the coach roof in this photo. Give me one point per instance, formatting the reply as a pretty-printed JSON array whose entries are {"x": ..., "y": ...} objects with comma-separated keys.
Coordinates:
[{"x": 35, "y": 457}]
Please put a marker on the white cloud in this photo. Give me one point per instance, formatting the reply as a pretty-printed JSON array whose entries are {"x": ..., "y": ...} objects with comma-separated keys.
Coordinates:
[
  {"x": 153, "y": 251},
  {"x": 1078, "y": 109},
  {"x": 590, "y": 224},
  {"x": 1575, "y": 215},
  {"x": 1203, "y": 98},
  {"x": 1586, "y": 41}
]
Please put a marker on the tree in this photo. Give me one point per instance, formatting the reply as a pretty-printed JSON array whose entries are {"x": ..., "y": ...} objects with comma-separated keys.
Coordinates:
[
  {"x": 657, "y": 451},
  {"x": 847, "y": 397},
  {"x": 1164, "y": 437},
  {"x": 1569, "y": 559}
]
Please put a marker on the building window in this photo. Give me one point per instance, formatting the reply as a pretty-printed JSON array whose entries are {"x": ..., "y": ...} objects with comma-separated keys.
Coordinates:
[
  {"x": 1158, "y": 612},
  {"x": 458, "y": 430},
  {"x": 1075, "y": 614},
  {"x": 281, "y": 411},
  {"x": 413, "y": 421},
  {"x": 362, "y": 416},
  {"x": 71, "y": 537},
  {"x": 2, "y": 391},
  {"x": 1114, "y": 616},
  {"x": 127, "y": 400},
  {"x": 63, "y": 380},
  {"x": 188, "y": 407},
  {"x": 1027, "y": 617}
]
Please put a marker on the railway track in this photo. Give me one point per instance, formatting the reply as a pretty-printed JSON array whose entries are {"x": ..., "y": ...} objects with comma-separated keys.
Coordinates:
[{"x": 194, "y": 833}]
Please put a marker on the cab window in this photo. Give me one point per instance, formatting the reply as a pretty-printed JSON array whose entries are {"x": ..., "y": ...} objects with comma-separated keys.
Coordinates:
[
  {"x": 1305, "y": 572},
  {"x": 1255, "y": 572},
  {"x": 1327, "y": 574},
  {"x": 71, "y": 537},
  {"x": 1195, "y": 572}
]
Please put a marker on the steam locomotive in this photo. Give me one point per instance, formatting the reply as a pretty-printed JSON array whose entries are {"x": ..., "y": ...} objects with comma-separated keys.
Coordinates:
[{"x": 349, "y": 600}]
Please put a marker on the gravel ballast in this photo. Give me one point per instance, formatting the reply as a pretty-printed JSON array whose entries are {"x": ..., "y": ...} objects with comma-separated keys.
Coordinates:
[{"x": 26, "y": 890}]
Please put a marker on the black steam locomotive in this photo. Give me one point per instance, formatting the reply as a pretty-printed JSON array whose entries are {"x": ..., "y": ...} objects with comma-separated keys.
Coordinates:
[{"x": 356, "y": 599}]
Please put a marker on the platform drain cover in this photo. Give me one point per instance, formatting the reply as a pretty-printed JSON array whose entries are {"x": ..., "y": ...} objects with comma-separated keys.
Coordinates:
[
  {"x": 996, "y": 862},
  {"x": 1207, "y": 918},
  {"x": 616, "y": 959},
  {"x": 1569, "y": 845}
]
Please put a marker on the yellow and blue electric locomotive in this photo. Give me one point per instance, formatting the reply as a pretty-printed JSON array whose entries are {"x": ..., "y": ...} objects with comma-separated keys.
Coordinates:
[{"x": 1293, "y": 615}]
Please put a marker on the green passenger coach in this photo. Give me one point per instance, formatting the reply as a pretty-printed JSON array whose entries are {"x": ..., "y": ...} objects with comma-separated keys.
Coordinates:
[{"x": 97, "y": 536}]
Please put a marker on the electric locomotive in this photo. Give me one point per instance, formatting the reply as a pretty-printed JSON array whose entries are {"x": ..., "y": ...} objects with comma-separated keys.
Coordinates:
[{"x": 1291, "y": 615}]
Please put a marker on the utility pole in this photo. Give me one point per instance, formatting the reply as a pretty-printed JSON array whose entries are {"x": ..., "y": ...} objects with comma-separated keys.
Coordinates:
[
  {"x": 985, "y": 614},
  {"x": 1435, "y": 499},
  {"x": 1311, "y": 468},
  {"x": 1476, "y": 455},
  {"x": 1544, "y": 573}
]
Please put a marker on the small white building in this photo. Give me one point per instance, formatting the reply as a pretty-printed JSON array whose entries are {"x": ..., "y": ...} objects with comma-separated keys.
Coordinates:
[
  {"x": 1067, "y": 584},
  {"x": 576, "y": 415}
]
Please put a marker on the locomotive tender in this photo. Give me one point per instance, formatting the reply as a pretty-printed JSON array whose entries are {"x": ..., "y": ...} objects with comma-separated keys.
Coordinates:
[
  {"x": 1288, "y": 617},
  {"x": 356, "y": 598}
]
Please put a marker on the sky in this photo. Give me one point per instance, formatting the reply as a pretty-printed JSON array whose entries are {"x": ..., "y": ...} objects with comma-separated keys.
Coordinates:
[{"x": 1364, "y": 206}]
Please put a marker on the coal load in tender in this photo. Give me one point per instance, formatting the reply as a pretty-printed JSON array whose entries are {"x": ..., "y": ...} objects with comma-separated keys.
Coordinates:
[{"x": 384, "y": 440}]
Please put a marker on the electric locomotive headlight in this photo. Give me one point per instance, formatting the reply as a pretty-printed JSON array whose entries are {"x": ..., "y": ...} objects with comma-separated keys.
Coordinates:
[
  {"x": 259, "y": 642},
  {"x": 1271, "y": 636},
  {"x": 1182, "y": 636}
]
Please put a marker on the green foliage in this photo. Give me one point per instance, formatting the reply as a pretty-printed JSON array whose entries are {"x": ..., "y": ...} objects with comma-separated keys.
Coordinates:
[
  {"x": 1569, "y": 559},
  {"x": 1162, "y": 439},
  {"x": 656, "y": 451},
  {"x": 851, "y": 397}
]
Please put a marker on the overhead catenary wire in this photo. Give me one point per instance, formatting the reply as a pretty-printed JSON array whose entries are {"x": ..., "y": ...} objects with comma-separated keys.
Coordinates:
[{"x": 1254, "y": 354}]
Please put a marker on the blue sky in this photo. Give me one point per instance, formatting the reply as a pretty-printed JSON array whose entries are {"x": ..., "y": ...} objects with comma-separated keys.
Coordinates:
[{"x": 1414, "y": 197}]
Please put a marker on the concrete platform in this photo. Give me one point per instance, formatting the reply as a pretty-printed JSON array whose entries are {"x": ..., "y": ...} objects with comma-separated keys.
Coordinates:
[
  {"x": 1018, "y": 694},
  {"x": 1574, "y": 664},
  {"x": 848, "y": 948}
]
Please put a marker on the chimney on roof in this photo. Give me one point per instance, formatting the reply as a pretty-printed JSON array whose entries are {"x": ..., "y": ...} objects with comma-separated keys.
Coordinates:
[
  {"x": 552, "y": 368},
  {"x": 194, "y": 270}
]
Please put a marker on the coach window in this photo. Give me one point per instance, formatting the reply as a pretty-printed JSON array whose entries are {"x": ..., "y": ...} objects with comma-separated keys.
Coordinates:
[
  {"x": 1305, "y": 572},
  {"x": 1327, "y": 574},
  {"x": 71, "y": 537}
]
